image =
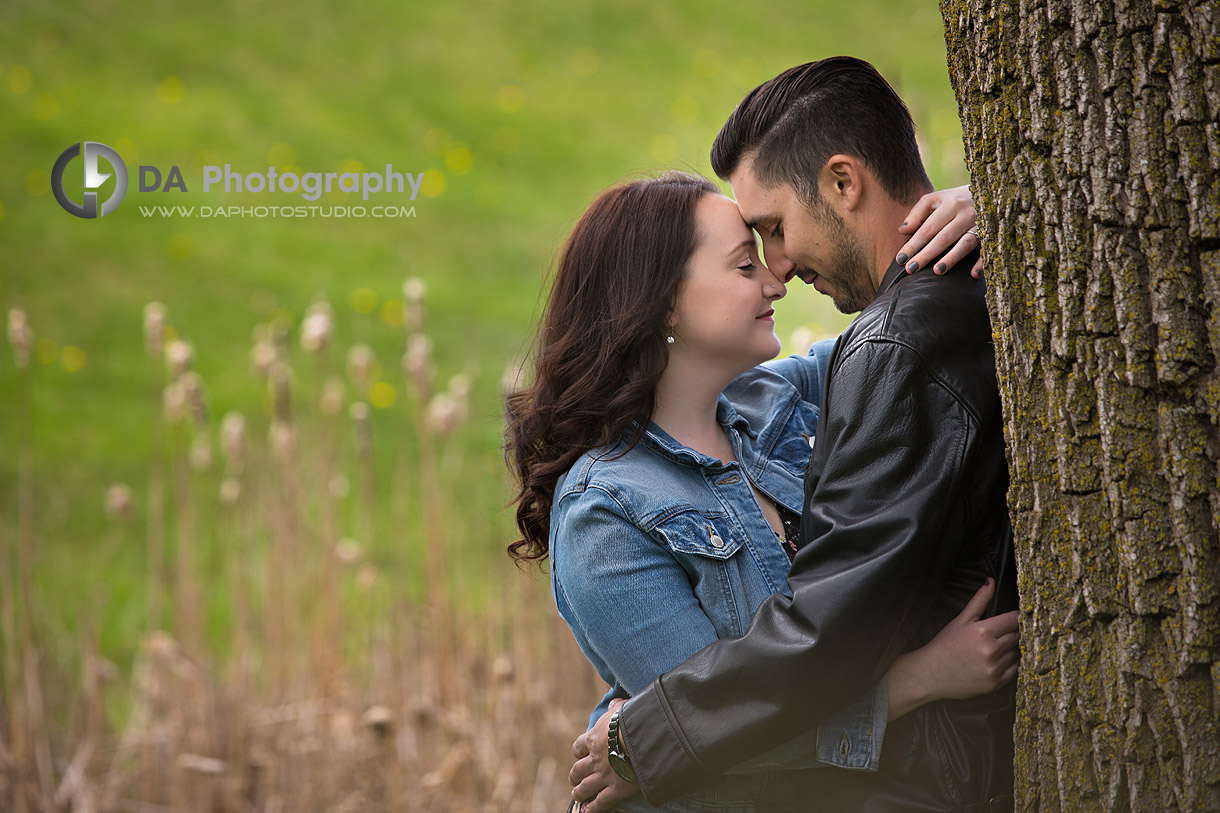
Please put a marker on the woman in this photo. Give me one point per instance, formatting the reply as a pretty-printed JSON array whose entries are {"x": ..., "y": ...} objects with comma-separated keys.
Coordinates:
[{"x": 661, "y": 469}]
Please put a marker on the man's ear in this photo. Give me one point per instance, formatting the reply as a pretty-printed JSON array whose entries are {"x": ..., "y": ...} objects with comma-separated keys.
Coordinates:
[{"x": 840, "y": 182}]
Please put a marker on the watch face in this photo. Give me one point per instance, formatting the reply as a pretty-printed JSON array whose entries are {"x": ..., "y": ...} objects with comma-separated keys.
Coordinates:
[{"x": 622, "y": 767}]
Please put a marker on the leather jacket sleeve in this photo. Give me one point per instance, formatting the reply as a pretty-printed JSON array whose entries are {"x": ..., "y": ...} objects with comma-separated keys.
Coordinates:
[
  {"x": 605, "y": 567},
  {"x": 885, "y": 521}
]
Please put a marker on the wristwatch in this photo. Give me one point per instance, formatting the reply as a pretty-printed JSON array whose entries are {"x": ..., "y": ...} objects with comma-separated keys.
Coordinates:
[{"x": 619, "y": 761}]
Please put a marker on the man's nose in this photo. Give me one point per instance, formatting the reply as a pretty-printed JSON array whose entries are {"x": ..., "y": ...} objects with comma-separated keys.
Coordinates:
[
  {"x": 783, "y": 268},
  {"x": 777, "y": 261}
]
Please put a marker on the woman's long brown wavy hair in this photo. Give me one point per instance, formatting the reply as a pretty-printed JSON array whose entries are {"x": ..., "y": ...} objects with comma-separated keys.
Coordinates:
[{"x": 602, "y": 346}]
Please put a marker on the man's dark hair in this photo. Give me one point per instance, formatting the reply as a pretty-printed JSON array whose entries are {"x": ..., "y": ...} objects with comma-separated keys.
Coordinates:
[{"x": 796, "y": 121}]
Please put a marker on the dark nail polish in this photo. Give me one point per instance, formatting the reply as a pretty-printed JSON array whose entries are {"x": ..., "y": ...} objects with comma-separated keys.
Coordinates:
[
  {"x": 902, "y": 259},
  {"x": 904, "y": 222},
  {"x": 913, "y": 266},
  {"x": 940, "y": 268}
]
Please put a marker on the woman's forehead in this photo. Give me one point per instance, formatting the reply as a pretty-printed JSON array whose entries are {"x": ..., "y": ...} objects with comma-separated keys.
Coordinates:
[{"x": 720, "y": 223}]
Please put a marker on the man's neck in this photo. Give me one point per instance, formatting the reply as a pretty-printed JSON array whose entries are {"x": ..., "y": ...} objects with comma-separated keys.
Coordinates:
[
  {"x": 883, "y": 220},
  {"x": 883, "y": 227}
]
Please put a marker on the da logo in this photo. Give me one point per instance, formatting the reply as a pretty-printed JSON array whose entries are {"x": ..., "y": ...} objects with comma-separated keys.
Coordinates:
[{"x": 94, "y": 178}]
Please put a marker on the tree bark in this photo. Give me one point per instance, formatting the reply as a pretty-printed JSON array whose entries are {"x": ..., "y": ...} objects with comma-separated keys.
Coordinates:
[{"x": 1092, "y": 140}]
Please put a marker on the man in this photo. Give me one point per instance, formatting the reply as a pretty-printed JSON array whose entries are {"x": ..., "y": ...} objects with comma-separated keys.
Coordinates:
[{"x": 905, "y": 512}]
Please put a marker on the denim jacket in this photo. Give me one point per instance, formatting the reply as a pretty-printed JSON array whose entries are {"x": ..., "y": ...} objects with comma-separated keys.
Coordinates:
[{"x": 659, "y": 552}]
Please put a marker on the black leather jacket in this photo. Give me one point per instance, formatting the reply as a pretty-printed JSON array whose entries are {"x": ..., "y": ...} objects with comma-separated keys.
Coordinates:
[{"x": 906, "y": 517}]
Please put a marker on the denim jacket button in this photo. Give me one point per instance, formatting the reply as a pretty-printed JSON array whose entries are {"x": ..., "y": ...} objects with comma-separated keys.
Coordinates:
[{"x": 715, "y": 539}]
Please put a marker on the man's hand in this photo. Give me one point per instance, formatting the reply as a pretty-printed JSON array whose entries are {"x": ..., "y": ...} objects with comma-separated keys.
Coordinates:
[{"x": 595, "y": 785}]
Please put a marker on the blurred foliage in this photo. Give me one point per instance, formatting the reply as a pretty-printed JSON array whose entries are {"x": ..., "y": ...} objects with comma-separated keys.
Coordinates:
[{"x": 519, "y": 113}]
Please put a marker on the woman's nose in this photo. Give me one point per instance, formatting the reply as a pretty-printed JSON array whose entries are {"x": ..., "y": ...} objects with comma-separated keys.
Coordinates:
[{"x": 775, "y": 288}]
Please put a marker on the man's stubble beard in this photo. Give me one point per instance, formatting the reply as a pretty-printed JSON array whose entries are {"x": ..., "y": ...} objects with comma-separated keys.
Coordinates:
[{"x": 854, "y": 285}]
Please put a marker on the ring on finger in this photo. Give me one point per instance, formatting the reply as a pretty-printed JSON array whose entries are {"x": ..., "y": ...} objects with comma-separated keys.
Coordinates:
[{"x": 973, "y": 230}]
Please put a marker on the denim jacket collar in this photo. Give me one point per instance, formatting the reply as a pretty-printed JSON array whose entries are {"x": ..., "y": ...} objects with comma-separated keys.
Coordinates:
[{"x": 665, "y": 444}]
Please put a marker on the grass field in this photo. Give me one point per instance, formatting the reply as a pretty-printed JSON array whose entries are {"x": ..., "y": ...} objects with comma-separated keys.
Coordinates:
[{"x": 517, "y": 114}]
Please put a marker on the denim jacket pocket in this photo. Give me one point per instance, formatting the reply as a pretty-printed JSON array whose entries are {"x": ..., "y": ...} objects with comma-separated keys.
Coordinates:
[
  {"x": 721, "y": 576},
  {"x": 707, "y": 535}
]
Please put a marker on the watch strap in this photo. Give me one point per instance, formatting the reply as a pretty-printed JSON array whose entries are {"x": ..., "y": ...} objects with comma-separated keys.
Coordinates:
[{"x": 619, "y": 760}]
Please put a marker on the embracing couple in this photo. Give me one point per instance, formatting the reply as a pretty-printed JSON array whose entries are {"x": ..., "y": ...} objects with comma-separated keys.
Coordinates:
[{"x": 798, "y": 573}]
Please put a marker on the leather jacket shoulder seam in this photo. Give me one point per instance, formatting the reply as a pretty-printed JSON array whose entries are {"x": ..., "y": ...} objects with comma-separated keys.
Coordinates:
[{"x": 923, "y": 363}]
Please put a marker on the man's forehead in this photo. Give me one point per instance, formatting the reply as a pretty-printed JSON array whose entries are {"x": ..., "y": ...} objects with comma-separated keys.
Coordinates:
[
  {"x": 757, "y": 203},
  {"x": 743, "y": 176}
]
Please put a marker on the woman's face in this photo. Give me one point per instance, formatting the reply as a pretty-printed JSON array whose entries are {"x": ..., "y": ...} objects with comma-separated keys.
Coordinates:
[{"x": 723, "y": 312}]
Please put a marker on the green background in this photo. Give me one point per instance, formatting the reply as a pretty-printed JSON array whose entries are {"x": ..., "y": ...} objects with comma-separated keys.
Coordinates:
[{"x": 519, "y": 112}]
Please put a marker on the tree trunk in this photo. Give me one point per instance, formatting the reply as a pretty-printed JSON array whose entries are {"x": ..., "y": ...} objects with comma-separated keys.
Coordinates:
[{"x": 1092, "y": 139}]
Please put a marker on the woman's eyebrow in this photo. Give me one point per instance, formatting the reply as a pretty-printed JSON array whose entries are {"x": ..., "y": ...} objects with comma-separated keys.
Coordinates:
[{"x": 749, "y": 242}]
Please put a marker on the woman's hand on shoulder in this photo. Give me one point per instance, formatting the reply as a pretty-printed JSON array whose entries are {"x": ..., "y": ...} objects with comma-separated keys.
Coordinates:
[
  {"x": 971, "y": 656},
  {"x": 941, "y": 221}
]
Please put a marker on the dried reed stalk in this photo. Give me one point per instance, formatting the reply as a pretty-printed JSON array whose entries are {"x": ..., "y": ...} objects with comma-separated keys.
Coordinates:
[
  {"x": 30, "y": 733},
  {"x": 154, "y": 345},
  {"x": 457, "y": 710}
]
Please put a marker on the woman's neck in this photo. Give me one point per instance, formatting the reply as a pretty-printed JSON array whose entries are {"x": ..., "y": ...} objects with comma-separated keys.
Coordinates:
[{"x": 686, "y": 402}]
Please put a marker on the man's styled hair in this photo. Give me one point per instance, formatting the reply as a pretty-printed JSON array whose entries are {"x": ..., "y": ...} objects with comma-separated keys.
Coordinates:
[{"x": 792, "y": 124}]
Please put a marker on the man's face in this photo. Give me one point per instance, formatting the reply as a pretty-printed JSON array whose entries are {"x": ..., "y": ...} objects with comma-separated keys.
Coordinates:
[{"x": 814, "y": 245}]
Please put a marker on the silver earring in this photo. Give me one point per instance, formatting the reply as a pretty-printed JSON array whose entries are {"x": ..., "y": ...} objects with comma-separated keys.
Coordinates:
[{"x": 670, "y": 338}]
